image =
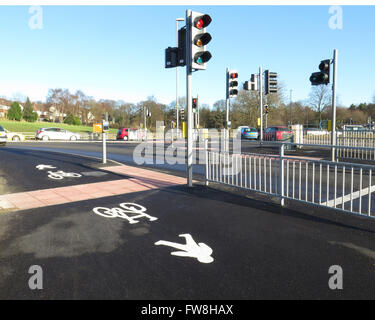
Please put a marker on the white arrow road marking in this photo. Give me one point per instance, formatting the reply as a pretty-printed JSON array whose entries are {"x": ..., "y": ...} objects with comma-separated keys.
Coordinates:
[
  {"x": 200, "y": 251},
  {"x": 44, "y": 166}
]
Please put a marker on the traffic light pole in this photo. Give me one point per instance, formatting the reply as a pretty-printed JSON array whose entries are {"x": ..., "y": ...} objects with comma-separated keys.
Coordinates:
[
  {"x": 104, "y": 138},
  {"x": 145, "y": 121},
  {"x": 226, "y": 133},
  {"x": 189, "y": 103},
  {"x": 261, "y": 102},
  {"x": 334, "y": 84}
]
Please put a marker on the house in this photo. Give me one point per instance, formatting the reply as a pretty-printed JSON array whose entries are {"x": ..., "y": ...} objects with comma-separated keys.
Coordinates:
[
  {"x": 42, "y": 111},
  {"x": 3, "y": 111}
]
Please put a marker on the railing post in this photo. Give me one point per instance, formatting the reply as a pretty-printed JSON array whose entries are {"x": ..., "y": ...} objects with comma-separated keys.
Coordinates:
[
  {"x": 281, "y": 177},
  {"x": 206, "y": 157}
]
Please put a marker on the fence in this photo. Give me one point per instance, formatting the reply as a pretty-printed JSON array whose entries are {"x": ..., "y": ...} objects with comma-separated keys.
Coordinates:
[
  {"x": 344, "y": 138},
  {"x": 362, "y": 141},
  {"x": 342, "y": 186}
]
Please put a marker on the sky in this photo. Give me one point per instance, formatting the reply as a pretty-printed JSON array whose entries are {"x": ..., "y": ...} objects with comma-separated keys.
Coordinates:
[{"x": 117, "y": 52}]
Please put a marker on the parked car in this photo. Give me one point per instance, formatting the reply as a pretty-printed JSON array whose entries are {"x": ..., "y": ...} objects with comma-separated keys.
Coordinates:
[
  {"x": 249, "y": 133},
  {"x": 127, "y": 134},
  {"x": 277, "y": 133},
  {"x": 123, "y": 134},
  {"x": 46, "y": 134},
  {"x": 239, "y": 131},
  {"x": 3, "y": 136},
  {"x": 15, "y": 136}
]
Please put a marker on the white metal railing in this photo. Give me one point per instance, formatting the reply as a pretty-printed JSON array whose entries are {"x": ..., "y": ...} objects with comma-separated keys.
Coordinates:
[
  {"x": 344, "y": 138},
  {"x": 342, "y": 186}
]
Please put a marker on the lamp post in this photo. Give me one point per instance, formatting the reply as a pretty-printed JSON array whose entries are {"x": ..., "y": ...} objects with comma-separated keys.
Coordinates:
[{"x": 177, "y": 113}]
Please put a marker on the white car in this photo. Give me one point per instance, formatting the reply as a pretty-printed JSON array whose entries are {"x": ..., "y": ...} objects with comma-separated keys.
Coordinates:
[
  {"x": 46, "y": 134},
  {"x": 3, "y": 136},
  {"x": 15, "y": 136}
]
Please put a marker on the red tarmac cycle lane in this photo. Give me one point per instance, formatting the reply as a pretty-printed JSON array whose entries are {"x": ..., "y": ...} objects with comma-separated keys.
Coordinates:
[{"x": 140, "y": 180}]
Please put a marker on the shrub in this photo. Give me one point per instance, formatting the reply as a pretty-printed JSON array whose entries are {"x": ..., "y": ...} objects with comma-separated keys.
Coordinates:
[
  {"x": 15, "y": 112},
  {"x": 28, "y": 112},
  {"x": 71, "y": 119}
]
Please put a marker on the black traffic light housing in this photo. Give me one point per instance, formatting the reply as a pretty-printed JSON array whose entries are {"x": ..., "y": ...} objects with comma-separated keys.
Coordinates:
[
  {"x": 176, "y": 56},
  {"x": 171, "y": 56},
  {"x": 323, "y": 76},
  {"x": 271, "y": 82},
  {"x": 195, "y": 103},
  {"x": 232, "y": 84}
]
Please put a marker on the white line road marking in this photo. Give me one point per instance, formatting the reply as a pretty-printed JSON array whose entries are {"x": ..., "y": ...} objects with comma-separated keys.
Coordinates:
[
  {"x": 200, "y": 251},
  {"x": 347, "y": 197}
]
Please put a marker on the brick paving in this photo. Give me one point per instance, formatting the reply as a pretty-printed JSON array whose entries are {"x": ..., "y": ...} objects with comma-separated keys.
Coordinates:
[{"x": 139, "y": 180}]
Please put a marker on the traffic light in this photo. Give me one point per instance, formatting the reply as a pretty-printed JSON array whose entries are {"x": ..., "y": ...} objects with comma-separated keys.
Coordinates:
[
  {"x": 181, "y": 50},
  {"x": 266, "y": 109},
  {"x": 182, "y": 114},
  {"x": 271, "y": 82},
  {"x": 323, "y": 76},
  {"x": 232, "y": 84},
  {"x": 171, "y": 56},
  {"x": 195, "y": 104},
  {"x": 199, "y": 38},
  {"x": 251, "y": 85}
]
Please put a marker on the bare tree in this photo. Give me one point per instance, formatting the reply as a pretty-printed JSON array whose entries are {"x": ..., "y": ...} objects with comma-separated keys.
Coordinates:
[{"x": 320, "y": 98}]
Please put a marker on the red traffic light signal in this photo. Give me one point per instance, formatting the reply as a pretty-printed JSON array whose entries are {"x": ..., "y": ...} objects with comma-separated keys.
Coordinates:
[
  {"x": 232, "y": 84},
  {"x": 202, "y": 21}
]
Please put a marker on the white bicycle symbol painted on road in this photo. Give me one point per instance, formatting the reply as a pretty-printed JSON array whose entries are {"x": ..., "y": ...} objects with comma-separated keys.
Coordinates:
[
  {"x": 59, "y": 175},
  {"x": 126, "y": 207}
]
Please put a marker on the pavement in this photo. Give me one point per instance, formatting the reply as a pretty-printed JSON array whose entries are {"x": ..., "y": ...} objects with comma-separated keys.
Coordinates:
[{"x": 144, "y": 235}]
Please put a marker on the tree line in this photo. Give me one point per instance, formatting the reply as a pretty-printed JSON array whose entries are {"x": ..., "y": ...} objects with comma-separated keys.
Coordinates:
[{"x": 244, "y": 110}]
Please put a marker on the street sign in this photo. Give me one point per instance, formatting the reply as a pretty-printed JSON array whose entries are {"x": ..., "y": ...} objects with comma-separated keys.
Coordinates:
[
  {"x": 97, "y": 128},
  {"x": 105, "y": 126}
]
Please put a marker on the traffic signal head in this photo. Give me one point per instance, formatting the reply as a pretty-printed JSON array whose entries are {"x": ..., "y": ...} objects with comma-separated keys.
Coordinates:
[
  {"x": 171, "y": 56},
  {"x": 266, "y": 109},
  {"x": 182, "y": 114},
  {"x": 199, "y": 38},
  {"x": 271, "y": 82},
  {"x": 232, "y": 84},
  {"x": 322, "y": 77},
  {"x": 195, "y": 103}
]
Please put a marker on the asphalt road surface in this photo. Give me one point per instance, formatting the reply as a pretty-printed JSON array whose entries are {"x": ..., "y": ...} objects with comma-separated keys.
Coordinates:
[{"x": 259, "y": 249}]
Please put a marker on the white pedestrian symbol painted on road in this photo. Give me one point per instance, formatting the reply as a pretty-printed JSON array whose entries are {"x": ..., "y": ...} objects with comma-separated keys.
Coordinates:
[
  {"x": 44, "y": 166},
  {"x": 200, "y": 251},
  {"x": 137, "y": 210},
  {"x": 59, "y": 175}
]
